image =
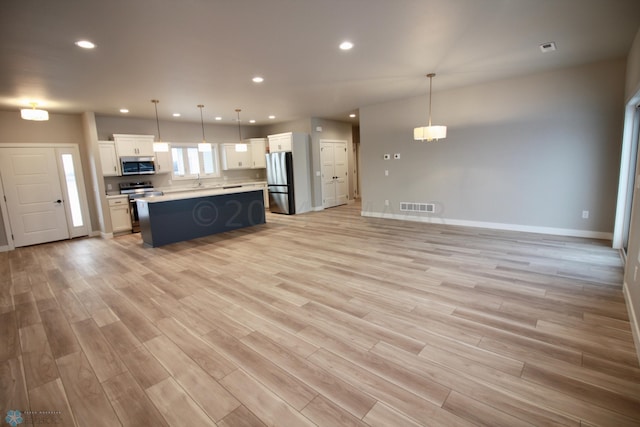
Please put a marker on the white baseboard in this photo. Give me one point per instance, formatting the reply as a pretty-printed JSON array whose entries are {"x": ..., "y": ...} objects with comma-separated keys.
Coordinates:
[
  {"x": 494, "y": 225},
  {"x": 4, "y": 248},
  {"x": 633, "y": 319},
  {"x": 106, "y": 235}
]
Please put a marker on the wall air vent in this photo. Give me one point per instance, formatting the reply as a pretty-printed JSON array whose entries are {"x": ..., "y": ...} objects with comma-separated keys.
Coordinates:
[
  {"x": 548, "y": 47},
  {"x": 417, "y": 207}
]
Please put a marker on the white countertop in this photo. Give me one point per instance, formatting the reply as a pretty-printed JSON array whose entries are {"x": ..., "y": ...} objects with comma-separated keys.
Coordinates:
[{"x": 198, "y": 192}]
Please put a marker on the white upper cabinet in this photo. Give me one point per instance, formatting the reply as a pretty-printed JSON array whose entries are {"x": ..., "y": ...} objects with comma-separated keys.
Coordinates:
[
  {"x": 236, "y": 156},
  {"x": 280, "y": 142},
  {"x": 258, "y": 151},
  {"x": 109, "y": 158},
  {"x": 163, "y": 161},
  {"x": 134, "y": 145}
]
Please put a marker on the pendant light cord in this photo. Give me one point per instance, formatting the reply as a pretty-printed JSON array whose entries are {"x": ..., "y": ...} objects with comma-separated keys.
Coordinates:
[
  {"x": 200, "y": 106},
  {"x": 239, "y": 131},
  {"x": 155, "y": 103},
  {"x": 431, "y": 76}
]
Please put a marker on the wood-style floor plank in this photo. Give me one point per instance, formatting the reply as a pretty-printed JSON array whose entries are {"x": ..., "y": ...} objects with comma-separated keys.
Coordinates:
[{"x": 326, "y": 319}]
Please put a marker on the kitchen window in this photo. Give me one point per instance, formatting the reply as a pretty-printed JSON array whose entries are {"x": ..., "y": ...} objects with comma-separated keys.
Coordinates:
[{"x": 190, "y": 163}]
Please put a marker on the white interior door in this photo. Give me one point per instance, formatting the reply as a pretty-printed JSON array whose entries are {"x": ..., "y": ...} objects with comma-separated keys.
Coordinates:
[
  {"x": 328, "y": 175},
  {"x": 34, "y": 195},
  {"x": 341, "y": 169},
  {"x": 334, "y": 162}
]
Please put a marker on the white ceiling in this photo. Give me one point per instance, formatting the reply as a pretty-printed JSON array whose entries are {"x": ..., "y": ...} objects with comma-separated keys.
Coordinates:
[{"x": 191, "y": 52}]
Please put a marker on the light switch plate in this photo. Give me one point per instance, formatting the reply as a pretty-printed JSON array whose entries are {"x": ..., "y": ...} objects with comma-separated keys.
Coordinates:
[{"x": 396, "y": 156}]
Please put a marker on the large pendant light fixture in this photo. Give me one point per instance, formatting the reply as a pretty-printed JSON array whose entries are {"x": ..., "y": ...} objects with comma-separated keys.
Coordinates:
[
  {"x": 241, "y": 146},
  {"x": 204, "y": 146},
  {"x": 34, "y": 114},
  {"x": 429, "y": 133},
  {"x": 159, "y": 147}
]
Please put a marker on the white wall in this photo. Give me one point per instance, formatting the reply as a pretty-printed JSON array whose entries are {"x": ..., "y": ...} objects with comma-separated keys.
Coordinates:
[{"x": 526, "y": 153}]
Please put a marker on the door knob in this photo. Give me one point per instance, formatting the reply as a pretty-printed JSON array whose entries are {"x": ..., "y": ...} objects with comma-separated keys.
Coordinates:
[{"x": 58, "y": 201}]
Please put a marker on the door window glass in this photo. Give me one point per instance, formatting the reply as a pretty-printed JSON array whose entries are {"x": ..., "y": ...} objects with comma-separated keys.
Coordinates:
[{"x": 72, "y": 189}]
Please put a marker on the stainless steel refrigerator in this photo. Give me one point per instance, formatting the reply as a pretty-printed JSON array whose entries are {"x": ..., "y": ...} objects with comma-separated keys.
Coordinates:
[{"x": 280, "y": 183}]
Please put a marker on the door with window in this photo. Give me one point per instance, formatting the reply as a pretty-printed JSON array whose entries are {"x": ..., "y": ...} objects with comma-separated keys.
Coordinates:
[
  {"x": 44, "y": 194},
  {"x": 334, "y": 170}
]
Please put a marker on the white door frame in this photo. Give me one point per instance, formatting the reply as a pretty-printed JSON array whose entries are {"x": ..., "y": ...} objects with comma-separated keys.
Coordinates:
[{"x": 81, "y": 187}]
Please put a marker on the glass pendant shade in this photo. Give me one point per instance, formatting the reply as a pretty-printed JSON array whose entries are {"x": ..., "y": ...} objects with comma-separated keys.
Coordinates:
[
  {"x": 429, "y": 133},
  {"x": 34, "y": 114},
  {"x": 160, "y": 147}
]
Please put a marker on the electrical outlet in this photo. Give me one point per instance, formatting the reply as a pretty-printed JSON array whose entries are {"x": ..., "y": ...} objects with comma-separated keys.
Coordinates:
[
  {"x": 386, "y": 203},
  {"x": 386, "y": 172},
  {"x": 109, "y": 187},
  {"x": 585, "y": 214}
]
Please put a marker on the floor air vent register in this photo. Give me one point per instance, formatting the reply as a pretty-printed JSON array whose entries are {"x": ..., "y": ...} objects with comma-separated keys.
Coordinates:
[{"x": 417, "y": 207}]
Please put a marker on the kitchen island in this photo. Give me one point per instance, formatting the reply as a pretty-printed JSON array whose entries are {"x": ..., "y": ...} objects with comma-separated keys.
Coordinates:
[{"x": 184, "y": 216}]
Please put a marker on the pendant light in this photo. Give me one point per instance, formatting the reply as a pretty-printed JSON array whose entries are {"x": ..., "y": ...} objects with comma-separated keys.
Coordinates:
[
  {"x": 34, "y": 114},
  {"x": 204, "y": 146},
  {"x": 429, "y": 133},
  {"x": 159, "y": 147},
  {"x": 241, "y": 146}
]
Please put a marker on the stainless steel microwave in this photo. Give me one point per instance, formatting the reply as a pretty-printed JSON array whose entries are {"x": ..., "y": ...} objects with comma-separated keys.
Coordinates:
[{"x": 137, "y": 165}]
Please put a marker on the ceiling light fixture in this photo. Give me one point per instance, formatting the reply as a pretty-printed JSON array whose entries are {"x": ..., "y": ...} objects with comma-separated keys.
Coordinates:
[
  {"x": 346, "y": 45},
  {"x": 429, "y": 133},
  {"x": 204, "y": 146},
  {"x": 159, "y": 146},
  {"x": 176, "y": 114},
  {"x": 352, "y": 115},
  {"x": 124, "y": 110},
  {"x": 34, "y": 114},
  {"x": 257, "y": 79},
  {"x": 85, "y": 44},
  {"x": 218, "y": 118},
  {"x": 272, "y": 117}
]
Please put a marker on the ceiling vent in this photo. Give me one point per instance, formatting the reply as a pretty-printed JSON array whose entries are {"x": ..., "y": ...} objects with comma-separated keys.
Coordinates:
[{"x": 548, "y": 47}]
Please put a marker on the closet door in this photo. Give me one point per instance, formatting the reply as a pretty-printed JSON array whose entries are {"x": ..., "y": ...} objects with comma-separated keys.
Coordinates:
[{"x": 333, "y": 158}]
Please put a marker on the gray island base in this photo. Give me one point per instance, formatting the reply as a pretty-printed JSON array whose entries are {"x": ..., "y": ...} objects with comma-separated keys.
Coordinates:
[{"x": 171, "y": 219}]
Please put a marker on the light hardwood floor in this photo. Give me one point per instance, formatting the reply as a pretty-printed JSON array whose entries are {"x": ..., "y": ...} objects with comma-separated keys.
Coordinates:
[{"x": 324, "y": 319}]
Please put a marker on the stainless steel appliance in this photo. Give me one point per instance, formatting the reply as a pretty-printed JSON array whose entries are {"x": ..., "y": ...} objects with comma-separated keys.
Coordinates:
[
  {"x": 280, "y": 182},
  {"x": 137, "y": 190},
  {"x": 137, "y": 165}
]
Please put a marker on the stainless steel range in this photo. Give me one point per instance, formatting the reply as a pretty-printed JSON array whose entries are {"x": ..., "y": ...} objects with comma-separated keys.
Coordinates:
[{"x": 136, "y": 190}]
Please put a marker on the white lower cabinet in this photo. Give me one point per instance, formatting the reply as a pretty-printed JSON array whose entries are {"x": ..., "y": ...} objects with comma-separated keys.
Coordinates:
[{"x": 120, "y": 214}]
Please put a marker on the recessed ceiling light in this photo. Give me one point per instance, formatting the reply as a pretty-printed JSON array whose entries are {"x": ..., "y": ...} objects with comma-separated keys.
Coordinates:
[
  {"x": 346, "y": 45},
  {"x": 218, "y": 118},
  {"x": 124, "y": 110},
  {"x": 252, "y": 121},
  {"x": 176, "y": 114},
  {"x": 257, "y": 79},
  {"x": 272, "y": 117},
  {"x": 352, "y": 115},
  {"x": 85, "y": 44}
]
